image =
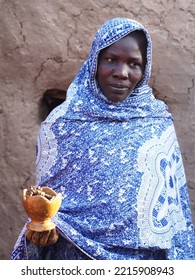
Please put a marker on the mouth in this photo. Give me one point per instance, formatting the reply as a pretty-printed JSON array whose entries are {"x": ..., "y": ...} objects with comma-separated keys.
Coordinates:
[{"x": 118, "y": 88}]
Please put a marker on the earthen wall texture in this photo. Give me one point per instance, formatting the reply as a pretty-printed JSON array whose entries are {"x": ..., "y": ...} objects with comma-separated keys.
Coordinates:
[{"x": 42, "y": 46}]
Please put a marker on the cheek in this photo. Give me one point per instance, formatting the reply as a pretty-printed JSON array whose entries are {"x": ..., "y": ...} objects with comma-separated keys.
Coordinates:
[
  {"x": 100, "y": 74},
  {"x": 103, "y": 71},
  {"x": 136, "y": 76}
]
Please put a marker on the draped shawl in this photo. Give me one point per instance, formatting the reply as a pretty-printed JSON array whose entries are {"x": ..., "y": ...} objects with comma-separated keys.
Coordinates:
[{"x": 117, "y": 165}]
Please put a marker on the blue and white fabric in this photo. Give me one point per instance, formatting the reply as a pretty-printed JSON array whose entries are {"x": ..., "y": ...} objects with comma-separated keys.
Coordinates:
[{"x": 118, "y": 167}]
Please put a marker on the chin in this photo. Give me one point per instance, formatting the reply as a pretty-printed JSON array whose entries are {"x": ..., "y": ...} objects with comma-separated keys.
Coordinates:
[{"x": 119, "y": 98}]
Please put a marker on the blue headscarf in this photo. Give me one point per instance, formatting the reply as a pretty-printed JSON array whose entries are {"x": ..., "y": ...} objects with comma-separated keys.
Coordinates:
[
  {"x": 87, "y": 98},
  {"x": 117, "y": 165}
]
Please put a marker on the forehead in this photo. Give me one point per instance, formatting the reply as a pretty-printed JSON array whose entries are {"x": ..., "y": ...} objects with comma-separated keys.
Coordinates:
[{"x": 125, "y": 45}]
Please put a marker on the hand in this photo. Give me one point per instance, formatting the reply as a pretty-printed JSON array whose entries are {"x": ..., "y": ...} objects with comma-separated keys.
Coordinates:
[{"x": 44, "y": 238}]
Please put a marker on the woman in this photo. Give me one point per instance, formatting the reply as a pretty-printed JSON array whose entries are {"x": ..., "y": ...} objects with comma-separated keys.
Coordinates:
[{"x": 111, "y": 150}]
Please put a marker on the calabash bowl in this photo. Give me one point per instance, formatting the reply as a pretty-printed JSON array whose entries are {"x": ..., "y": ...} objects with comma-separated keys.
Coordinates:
[{"x": 40, "y": 209}]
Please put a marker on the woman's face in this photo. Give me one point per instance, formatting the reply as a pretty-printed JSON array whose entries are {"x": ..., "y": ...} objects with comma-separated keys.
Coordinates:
[{"x": 120, "y": 68}]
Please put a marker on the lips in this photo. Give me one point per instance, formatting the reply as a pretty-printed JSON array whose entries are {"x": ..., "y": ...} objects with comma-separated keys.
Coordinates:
[{"x": 118, "y": 88}]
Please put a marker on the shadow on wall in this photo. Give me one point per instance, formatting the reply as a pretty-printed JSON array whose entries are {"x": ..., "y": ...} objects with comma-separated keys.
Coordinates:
[{"x": 51, "y": 99}]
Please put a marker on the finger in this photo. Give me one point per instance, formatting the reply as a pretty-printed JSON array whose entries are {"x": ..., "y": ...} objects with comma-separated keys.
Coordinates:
[
  {"x": 29, "y": 234},
  {"x": 36, "y": 237},
  {"x": 44, "y": 238},
  {"x": 53, "y": 237}
]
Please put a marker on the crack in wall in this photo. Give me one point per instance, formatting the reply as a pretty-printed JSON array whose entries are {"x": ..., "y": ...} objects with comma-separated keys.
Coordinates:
[{"x": 56, "y": 59}]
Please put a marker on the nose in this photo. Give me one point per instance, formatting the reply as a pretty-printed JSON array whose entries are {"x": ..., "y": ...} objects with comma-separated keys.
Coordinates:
[{"x": 121, "y": 71}]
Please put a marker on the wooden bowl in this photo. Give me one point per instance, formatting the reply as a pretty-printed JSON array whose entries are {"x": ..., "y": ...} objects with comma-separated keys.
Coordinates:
[{"x": 40, "y": 209}]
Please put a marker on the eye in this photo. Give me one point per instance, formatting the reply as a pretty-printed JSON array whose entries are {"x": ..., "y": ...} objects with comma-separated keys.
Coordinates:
[
  {"x": 135, "y": 65},
  {"x": 110, "y": 59}
]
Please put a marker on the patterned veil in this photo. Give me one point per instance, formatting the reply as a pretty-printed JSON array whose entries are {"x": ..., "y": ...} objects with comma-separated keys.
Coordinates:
[{"x": 117, "y": 165}]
